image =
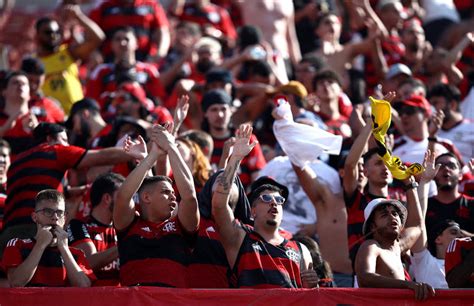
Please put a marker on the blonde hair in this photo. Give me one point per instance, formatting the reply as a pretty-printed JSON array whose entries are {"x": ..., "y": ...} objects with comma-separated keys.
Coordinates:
[{"x": 200, "y": 166}]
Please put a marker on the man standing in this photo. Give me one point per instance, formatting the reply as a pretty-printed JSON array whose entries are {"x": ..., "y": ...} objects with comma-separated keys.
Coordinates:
[
  {"x": 154, "y": 246},
  {"x": 260, "y": 257},
  {"x": 47, "y": 260},
  {"x": 59, "y": 59},
  {"x": 96, "y": 236}
]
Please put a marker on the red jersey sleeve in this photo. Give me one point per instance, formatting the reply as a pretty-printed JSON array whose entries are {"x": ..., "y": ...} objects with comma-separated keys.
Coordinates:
[
  {"x": 94, "y": 84},
  {"x": 255, "y": 160},
  {"x": 454, "y": 252},
  {"x": 83, "y": 263},
  {"x": 159, "y": 16},
  {"x": 69, "y": 156},
  {"x": 227, "y": 25},
  {"x": 12, "y": 255}
]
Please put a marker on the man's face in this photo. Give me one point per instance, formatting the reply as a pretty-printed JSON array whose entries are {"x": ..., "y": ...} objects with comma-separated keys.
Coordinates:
[
  {"x": 440, "y": 103},
  {"x": 329, "y": 29},
  {"x": 328, "y": 90},
  {"x": 123, "y": 43},
  {"x": 36, "y": 81},
  {"x": 376, "y": 172},
  {"x": 50, "y": 213},
  {"x": 412, "y": 118},
  {"x": 207, "y": 58},
  {"x": 413, "y": 37},
  {"x": 49, "y": 35},
  {"x": 17, "y": 89},
  {"x": 391, "y": 15},
  {"x": 448, "y": 235},
  {"x": 305, "y": 73},
  {"x": 184, "y": 38},
  {"x": 162, "y": 201},
  {"x": 387, "y": 221},
  {"x": 4, "y": 163},
  {"x": 218, "y": 116},
  {"x": 449, "y": 174},
  {"x": 267, "y": 212},
  {"x": 61, "y": 138}
]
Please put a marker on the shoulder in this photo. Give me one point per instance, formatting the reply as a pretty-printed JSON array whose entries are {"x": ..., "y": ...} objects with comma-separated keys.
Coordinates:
[{"x": 17, "y": 242}]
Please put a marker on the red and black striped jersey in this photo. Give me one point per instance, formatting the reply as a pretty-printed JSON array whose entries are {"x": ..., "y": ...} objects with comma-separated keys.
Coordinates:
[
  {"x": 144, "y": 16},
  {"x": 103, "y": 236},
  {"x": 42, "y": 167},
  {"x": 155, "y": 254},
  {"x": 254, "y": 161},
  {"x": 51, "y": 271},
  {"x": 260, "y": 264},
  {"x": 3, "y": 197},
  {"x": 456, "y": 253},
  {"x": 208, "y": 267},
  {"x": 46, "y": 109},
  {"x": 460, "y": 210}
]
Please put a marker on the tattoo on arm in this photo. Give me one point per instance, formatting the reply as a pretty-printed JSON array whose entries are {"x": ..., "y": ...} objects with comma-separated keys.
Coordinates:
[{"x": 227, "y": 178}]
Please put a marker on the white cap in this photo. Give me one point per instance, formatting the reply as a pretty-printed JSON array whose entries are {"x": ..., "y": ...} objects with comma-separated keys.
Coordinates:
[
  {"x": 369, "y": 209},
  {"x": 397, "y": 69}
]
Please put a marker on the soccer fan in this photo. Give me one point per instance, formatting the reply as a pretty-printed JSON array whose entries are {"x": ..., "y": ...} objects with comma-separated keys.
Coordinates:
[
  {"x": 460, "y": 263},
  {"x": 103, "y": 80},
  {"x": 96, "y": 236},
  {"x": 217, "y": 110},
  {"x": 450, "y": 203},
  {"x": 154, "y": 247},
  {"x": 45, "y": 167},
  {"x": 40, "y": 105},
  {"x": 391, "y": 230},
  {"x": 146, "y": 16},
  {"x": 259, "y": 257},
  {"x": 46, "y": 258},
  {"x": 5, "y": 163},
  {"x": 59, "y": 59}
]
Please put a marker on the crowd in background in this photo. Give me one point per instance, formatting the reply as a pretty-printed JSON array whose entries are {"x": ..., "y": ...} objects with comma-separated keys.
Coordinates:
[{"x": 138, "y": 145}]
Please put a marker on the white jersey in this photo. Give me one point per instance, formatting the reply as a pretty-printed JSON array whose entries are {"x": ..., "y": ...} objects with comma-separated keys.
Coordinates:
[
  {"x": 298, "y": 209},
  {"x": 428, "y": 269},
  {"x": 462, "y": 135}
]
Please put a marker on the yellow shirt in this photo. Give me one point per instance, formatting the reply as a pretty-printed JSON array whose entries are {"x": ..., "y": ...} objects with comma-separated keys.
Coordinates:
[{"x": 62, "y": 78}]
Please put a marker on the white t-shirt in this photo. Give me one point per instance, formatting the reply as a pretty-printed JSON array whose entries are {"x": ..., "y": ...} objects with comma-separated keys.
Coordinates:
[
  {"x": 298, "y": 209},
  {"x": 439, "y": 9},
  {"x": 428, "y": 269},
  {"x": 462, "y": 136},
  {"x": 411, "y": 151}
]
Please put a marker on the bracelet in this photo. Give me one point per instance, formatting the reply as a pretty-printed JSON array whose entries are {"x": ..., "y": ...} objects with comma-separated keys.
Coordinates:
[{"x": 433, "y": 139}]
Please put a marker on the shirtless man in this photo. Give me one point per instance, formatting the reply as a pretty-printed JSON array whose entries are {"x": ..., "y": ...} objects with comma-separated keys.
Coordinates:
[
  {"x": 332, "y": 223},
  {"x": 391, "y": 230}
]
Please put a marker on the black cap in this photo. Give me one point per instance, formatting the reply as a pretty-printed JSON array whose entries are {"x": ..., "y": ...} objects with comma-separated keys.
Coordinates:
[
  {"x": 261, "y": 184},
  {"x": 219, "y": 75},
  {"x": 45, "y": 129},
  {"x": 215, "y": 96},
  {"x": 86, "y": 103}
]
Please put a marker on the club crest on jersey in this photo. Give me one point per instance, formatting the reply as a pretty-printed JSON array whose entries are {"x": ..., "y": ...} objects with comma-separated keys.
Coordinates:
[
  {"x": 169, "y": 227},
  {"x": 256, "y": 247},
  {"x": 293, "y": 255}
]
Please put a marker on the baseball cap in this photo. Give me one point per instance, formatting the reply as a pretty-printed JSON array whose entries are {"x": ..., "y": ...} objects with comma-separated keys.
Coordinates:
[
  {"x": 219, "y": 75},
  {"x": 294, "y": 88},
  {"x": 260, "y": 184},
  {"x": 45, "y": 129},
  {"x": 215, "y": 96},
  {"x": 397, "y": 69},
  {"x": 381, "y": 201},
  {"x": 417, "y": 101},
  {"x": 86, "y": 103},
  {"x": 137, "y": 92}
]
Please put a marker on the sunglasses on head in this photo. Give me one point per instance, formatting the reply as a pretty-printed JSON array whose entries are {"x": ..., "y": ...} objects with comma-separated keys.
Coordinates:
[{"x": 268, "y": 198}]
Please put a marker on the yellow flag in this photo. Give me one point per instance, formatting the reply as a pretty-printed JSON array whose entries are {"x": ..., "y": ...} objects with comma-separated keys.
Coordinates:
[{"x": 381, "y": 118}]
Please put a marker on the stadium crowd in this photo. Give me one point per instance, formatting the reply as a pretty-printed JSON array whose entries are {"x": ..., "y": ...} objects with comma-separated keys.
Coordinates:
[{"x": 232, "y": 144}]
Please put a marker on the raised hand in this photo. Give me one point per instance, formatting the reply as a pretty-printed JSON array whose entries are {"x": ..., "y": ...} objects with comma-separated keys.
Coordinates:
[
  {"x": 430, "y": 168},
  {"x": 389, "y": 96},
  {"x": 162, "y": 137},
  {"x": 180, "y": 112},
  {"x": 435, "y": 123},
  {"x": 471, "y": 165},
  {"x": 136, "y": 148},
  {"x": 242, "y": 147}
]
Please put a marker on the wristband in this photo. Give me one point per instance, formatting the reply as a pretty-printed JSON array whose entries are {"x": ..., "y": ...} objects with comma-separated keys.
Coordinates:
[
  {"x": 411, "y": 185},
  {"x": 433, "y": 139}
]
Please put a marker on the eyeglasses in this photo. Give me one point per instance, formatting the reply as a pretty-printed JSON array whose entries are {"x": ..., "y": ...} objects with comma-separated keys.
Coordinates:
[
  {"x": 268, "y": 198},
  {"x": 48, "y": 212},
  {"x": 449, "y": 165},
  {"x": 406, "y": 110}
]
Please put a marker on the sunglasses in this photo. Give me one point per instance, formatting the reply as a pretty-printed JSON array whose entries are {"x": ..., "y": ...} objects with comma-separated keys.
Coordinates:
[
  {"x": 406, "y": 110},
  {"x": 268, "y": 198},
  {"x": 48, "y": 212}
]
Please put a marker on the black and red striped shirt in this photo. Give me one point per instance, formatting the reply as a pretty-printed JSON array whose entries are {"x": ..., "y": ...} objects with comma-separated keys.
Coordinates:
[
  {"x": 260, "y": 264},
  {"x": 456, "y": 253},
  {"x": 208, "y": 267},
  {"x": 460, "y": 210},
  {"x": 155, "y": 254},
  {"x": 254, "y": 161},
  {"x": 145, "y": 16},
  {"x": 103, "y": 236},
  {"x": 42, "y": 167},
  {"x": 51, "y": 271}
]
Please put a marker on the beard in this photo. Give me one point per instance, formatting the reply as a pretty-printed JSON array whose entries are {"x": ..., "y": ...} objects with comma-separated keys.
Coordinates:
[
  {"x": 272, "y": 223},
  {"x": 204, "y": 66}
]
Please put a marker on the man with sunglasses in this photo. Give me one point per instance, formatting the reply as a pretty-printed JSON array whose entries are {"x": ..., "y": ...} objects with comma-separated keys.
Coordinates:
[
  {"x": 259, "y": 256},
  {"x": 46, "y": 259},
  {"x": 450, "y": 203}
]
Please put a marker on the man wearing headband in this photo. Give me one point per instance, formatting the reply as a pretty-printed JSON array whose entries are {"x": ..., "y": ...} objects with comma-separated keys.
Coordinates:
[
  {"x": 391, "y": 230},
  {"x": 259, "y": 257}
]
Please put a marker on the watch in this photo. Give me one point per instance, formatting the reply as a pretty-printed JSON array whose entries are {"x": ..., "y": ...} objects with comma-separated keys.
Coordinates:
[{"x": 411, "y": 185}]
